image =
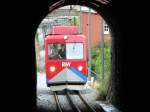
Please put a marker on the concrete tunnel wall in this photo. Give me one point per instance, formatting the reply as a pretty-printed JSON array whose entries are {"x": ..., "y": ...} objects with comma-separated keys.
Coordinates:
[{"x": 123, "y": 43}]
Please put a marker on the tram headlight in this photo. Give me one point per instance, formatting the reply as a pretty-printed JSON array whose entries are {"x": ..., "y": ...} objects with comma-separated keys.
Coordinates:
[
  {"x": 80, "y": 68},
  {"x": 52, "y": 68}
]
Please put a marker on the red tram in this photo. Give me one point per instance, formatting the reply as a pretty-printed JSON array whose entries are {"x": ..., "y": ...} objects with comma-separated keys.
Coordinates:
[{"x": 65, "y": 58}]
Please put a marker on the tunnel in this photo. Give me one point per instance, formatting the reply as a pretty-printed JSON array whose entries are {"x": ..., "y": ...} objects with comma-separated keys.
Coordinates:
[{"x": 124, "y": 74}]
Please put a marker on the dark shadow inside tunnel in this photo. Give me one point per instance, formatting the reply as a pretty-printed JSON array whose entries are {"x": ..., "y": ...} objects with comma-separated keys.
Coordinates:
[
  {"x": 123, "y": 67},
  {"x": 102, "y": 9}
]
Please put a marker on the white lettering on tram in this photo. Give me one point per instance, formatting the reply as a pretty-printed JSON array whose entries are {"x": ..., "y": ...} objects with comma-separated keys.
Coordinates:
[{"x": 66, "y": 64}]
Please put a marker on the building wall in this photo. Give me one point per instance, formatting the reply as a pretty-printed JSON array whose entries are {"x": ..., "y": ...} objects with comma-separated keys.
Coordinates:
[
  {"x": 107, "y": 39},
  {"x": 96, "y": 28}
]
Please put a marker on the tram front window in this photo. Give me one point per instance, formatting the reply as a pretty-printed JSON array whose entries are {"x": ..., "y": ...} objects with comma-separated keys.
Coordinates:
[
  {"x": 74, "y": 50},
  {"x": 65, "y": 51}
]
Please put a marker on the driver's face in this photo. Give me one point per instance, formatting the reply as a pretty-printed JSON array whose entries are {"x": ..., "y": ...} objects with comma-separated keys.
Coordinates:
[{"x": 63, "y": 48}]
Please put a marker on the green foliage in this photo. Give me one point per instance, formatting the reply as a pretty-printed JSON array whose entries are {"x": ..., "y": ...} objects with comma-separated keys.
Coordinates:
[
  {"x": 37, "y": 68},
  {"x": 102, "y": 86},
  {"x": 102, "y": 83},
  {"x": 37, "y": 52},
  {"x": 74, "y": 21},
  {"x": 97, "y": 58}
]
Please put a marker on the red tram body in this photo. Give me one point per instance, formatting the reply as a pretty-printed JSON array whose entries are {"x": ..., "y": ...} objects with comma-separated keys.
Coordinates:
[{"x": 67, "y": 70}]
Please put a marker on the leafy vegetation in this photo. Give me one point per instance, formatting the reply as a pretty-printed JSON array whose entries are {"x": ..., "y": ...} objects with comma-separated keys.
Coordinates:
[{"x": 101, "y": 84}]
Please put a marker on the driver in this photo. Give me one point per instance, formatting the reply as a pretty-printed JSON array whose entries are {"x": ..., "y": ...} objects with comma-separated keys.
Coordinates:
[
  {"x": 62, "y": 52},
  {"x": 53, "y": 53}
]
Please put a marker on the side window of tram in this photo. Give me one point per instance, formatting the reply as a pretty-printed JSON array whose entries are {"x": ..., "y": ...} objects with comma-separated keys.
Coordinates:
[{"x": 56, "y": 51}]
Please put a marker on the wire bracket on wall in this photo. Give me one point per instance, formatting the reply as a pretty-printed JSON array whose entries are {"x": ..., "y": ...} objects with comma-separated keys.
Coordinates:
[
  {"x": 104, "y": 1},
  {"x": 55, "y": 5}
]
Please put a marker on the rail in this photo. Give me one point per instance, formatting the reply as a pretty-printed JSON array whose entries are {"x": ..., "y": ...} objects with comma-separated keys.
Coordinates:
[
  {"x": 74, "y": 107},
  {"x": 71, "y": 102},
  {"x": 89, "y": 107},
  {"x": 59, "y": 109}
]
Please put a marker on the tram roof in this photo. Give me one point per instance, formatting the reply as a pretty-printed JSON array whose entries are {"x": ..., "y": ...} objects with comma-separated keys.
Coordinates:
[
  {"x": 65, "y": 38},
  {"x": 58, "y": 30}
]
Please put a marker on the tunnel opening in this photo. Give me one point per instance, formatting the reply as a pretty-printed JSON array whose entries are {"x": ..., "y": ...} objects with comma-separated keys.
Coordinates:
[
  {"x": 108, "y": 91},
  {"x": 109, "y": 12}
]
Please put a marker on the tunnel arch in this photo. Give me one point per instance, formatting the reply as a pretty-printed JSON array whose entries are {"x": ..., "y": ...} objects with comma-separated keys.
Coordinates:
[
  {"x": 32, "y": 14},
  {"x": 104, "y": 10}
]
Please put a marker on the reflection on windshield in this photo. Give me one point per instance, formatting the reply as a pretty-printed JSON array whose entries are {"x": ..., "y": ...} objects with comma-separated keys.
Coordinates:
[
  {"x": 74, "y": 50},
  {"x": 65, "y": 51}
]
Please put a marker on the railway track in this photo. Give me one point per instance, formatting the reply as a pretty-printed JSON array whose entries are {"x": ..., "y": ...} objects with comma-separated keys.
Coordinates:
[
  {"x": 59, "y": 108},
  {"x": 75, "y": 108}
]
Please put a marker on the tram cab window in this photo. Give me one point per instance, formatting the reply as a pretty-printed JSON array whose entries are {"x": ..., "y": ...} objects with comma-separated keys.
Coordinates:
[
  {"x": 74, "y": 50},
  {"x": 56, "y": 51},
  {"x": 65, "y": 51},
  {"x": 62, "y": 51}
]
